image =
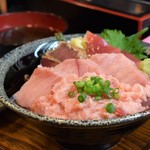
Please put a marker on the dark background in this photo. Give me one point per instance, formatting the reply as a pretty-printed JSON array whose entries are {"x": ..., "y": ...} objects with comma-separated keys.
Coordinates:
[{"x": 79, "y": 19}]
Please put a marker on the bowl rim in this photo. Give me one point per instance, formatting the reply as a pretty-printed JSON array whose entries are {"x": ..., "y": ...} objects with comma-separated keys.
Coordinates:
[
  {"x": 13, "y": 56},
  {"x": 63, "y": 20}
]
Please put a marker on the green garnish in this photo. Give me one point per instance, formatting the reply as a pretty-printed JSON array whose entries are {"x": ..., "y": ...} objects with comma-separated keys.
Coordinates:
[
  {"x": 145, "y": 66},
  {"x": 59, "y": 36},
  {"x": 132, "y": 44},
  {"x": 115, "y": 93},
  {"x": 79, "y": 84},
  {"x": 97, "y": 98},
  {"x": 71, "y": 94},
  {"x": 82, "y": 97},
  {"x": 110, "y": 108},
  {"x": 95, "y": 87}
]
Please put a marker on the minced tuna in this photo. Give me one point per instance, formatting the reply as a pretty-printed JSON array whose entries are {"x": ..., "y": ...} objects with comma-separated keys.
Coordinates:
[{"x": 46, "y": 92}]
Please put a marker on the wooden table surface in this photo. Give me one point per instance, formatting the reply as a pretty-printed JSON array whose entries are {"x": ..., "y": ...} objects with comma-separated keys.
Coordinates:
[{"x": 16, "y": 133}]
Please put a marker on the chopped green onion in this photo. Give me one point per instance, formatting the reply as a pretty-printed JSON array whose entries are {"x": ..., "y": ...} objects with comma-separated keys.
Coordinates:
[
  {"x": 110, "y": 108},
  {"x": 95, "y": 87},
  {"x": 116, "y": 90},
  {"x": 106, "y": 90},
  {"x": 82, "y": 97},
  {"x": 71, "y": 94},
  {"x": 79, "y": 84},
  {"x": 88, "y": 90},
  {"x": 115, "y": 93},
  {"x": 97, "y": 98},
  {"x": 107, "y": 83},
  {"x": 59, "y": 36},
  {"x": 95, "y": 79},
  {"x": 89, "y": 83},
  {"x": 80, "y": 90},
  {"x": 101, "y": 82},
  {"x": 116, "y": 96}
]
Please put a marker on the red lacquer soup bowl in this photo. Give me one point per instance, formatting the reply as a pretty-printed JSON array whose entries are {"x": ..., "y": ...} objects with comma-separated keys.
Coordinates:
[{"x": 21, "y": 27}]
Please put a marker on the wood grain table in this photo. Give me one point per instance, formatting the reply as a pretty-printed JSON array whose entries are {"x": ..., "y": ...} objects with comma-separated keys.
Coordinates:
[{"x": 16, "y": 133}]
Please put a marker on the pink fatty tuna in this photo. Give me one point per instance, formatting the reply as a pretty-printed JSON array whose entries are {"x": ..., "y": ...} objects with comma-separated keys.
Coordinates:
[
  {"x": 46, "y": 92},
  {"x": 41, "y": 81},
  {"x": 58, "y": 104},
  {"x": 121, "y": 67}
]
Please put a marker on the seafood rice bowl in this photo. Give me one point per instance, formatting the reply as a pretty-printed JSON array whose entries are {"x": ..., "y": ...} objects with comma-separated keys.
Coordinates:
[{"x": 83, "y": 87}]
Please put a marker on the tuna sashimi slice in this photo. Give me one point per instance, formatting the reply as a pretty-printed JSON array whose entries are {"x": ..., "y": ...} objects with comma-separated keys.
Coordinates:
[
  {"x": 100, "y": 59},
  {"x": 40, "y": 83},
  {"x": 88, "y": 66},
  {"x": 96, "y": 44},
  {"x": 132, "y": 57},
  {"x": 121, "y": 67},
  {"x": 57, "y": 103},
  {"x": 78, "y": 67},
  {"x": 61, "y": 53},
  {"x": 68, "y": 66}
]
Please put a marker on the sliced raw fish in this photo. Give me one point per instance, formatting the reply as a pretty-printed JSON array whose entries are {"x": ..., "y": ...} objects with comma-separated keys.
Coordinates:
[
  {"x": 88, "y": 66},
  {"x": 96, "y": 44},
  {"x": 121, "y": 67},
  {"x": 68, "y": 66},
  {"x": 40, "y": 83},
  {"x": 62, "y": 52}
]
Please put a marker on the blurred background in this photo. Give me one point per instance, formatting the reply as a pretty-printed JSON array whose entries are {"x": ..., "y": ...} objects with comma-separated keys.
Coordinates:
[{"x": 82, "y": 18}]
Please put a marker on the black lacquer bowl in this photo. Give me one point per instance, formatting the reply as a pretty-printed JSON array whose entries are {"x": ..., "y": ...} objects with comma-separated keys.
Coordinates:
[{"x": 72, "y": 134}]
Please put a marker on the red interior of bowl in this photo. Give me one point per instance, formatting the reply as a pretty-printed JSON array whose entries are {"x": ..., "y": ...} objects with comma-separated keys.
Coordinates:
[{"x": 47, "y": 20}]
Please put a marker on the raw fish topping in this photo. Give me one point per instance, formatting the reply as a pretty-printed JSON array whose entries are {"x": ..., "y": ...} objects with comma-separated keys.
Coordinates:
[{"x": 86, "y": 79}]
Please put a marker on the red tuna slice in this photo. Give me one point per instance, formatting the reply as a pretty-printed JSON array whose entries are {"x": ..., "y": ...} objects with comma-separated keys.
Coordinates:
[
  {"x": 40, "y": 83},
  {"x": 96, "y": 44},
  {"x": 48, "y": 61},
  {"x": 110, "y": 49},
  {"x": 119, "y": 66},
  {"x": 61, "y": 53},
  {"x": 88, "y": 66}
]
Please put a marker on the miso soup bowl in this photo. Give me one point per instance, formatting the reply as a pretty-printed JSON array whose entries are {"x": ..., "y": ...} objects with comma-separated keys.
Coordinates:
[
  {"x": 71, "y": 134},
  {"x": 17, "y": 28}
]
